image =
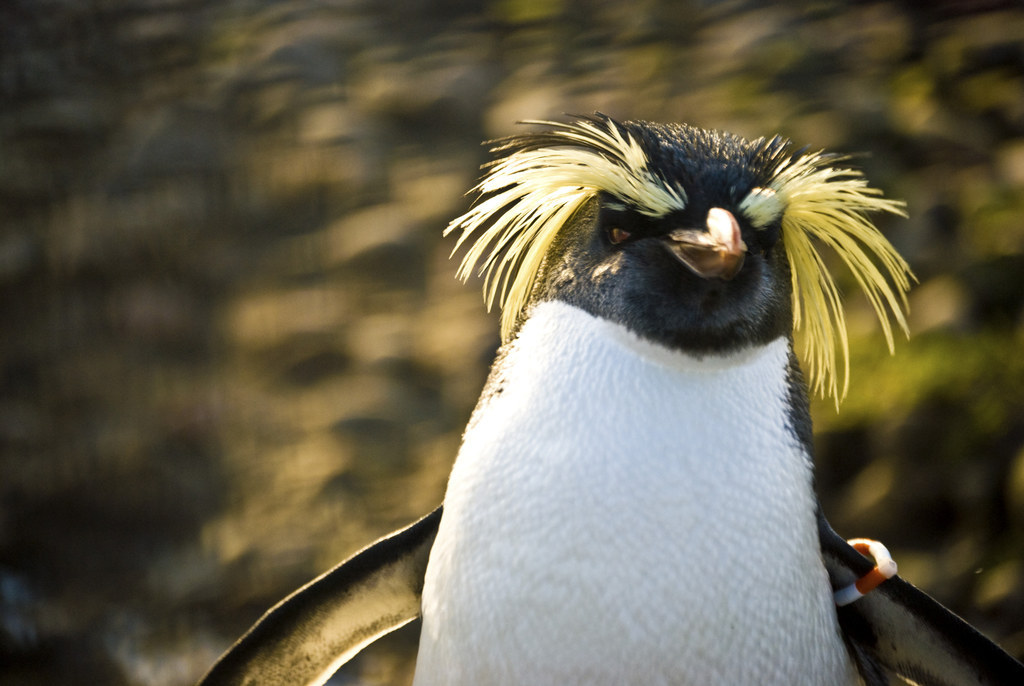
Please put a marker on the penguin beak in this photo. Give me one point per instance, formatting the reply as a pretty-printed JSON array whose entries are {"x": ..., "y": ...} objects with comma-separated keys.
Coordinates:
[{"x": 714, "y": 252}]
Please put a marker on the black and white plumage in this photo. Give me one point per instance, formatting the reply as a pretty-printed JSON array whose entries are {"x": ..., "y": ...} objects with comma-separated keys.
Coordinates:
[{"x": 633, "y": 500}]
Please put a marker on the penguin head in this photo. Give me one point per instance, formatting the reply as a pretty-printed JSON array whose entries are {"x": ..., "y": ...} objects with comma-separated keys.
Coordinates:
[
  {"x": 692, "y": 273},
  {"x": 698, "y": 240}
]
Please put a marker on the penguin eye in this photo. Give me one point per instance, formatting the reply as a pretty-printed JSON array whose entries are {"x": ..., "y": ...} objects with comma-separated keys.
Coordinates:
[{"x": 617, "y": 235}]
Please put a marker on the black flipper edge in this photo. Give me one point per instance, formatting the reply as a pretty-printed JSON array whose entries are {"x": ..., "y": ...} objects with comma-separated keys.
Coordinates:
[
  {"x": 906, "y": 631},
  {"x": 308, "y": 635}
]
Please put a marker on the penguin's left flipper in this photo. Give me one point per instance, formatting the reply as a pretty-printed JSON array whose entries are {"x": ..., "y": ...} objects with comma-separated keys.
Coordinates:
[
  {"x": 308, "y": 635},
  {"x": 901, "y": 630}
]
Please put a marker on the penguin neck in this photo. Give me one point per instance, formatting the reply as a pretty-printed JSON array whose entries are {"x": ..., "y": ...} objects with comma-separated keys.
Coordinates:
[
  {"x": 682, "y": 360},
  {"x": 559, "y": 336},
  {"x": 575, "y": 396}
]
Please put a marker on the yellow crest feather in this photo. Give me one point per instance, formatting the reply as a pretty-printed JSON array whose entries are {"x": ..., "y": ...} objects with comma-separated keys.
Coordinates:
[
  {"x": 530, "y": 194},
  {"x": 831, "y": 205}
]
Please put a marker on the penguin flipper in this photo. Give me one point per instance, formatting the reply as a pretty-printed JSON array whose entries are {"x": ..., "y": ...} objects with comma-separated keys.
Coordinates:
[
  {"x": 308, "y": 635},
  {"x": 907, "y": 632}
]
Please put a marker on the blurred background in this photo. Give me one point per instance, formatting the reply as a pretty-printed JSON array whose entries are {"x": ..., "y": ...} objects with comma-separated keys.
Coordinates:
[{"x": 233, "y": 351}]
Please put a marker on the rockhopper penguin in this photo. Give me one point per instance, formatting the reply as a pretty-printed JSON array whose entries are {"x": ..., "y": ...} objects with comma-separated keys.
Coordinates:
[{"x": 633, "y": 501}]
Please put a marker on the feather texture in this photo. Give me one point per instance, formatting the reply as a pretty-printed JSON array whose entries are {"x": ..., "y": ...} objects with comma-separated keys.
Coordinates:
[
  {"x": 831, "y": 205},
  {"x": 543, "y": 179},
  {"x": 531, "y": 194}
]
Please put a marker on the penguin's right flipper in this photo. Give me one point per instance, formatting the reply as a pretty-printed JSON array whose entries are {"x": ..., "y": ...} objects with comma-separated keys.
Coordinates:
[
  {"x": 308, "y": 635},
  {"x": 899, "y": 629}
]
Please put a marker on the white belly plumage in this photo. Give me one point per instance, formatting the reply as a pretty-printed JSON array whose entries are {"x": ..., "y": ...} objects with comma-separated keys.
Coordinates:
[{"x": 623, "y": 514}]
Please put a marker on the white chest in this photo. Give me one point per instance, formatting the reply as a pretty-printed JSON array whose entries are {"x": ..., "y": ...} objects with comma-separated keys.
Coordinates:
[{"x": 620, "y": 513}]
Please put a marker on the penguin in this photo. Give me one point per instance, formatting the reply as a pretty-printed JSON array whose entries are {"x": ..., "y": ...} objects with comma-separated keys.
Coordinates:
[{"x": 633, "y": 500}]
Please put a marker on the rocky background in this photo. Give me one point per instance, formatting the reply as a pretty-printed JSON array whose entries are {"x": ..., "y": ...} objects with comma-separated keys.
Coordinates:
[{"x": 233, "y": 350}]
